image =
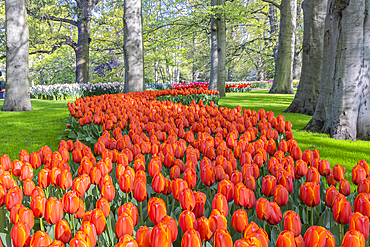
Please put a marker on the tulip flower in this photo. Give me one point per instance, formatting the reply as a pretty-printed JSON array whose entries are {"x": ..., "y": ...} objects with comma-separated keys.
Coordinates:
[
  {"x": 63, "y": 231},
  {"x": 28, "y": 186},
  {"x": 263, "y": 209},
  {"x": 97, "y": 218},
  {"x": 124, "y": 225},
  {"x": 364, "y": 186},
  {"x": 331, "y": 192},
  {"x": 362, "y": 204},
  {"x": 252, "y": 230},
  {"x": 187, "y": 220},
  {"x": 358, "y": 174},
  {"x": 285, "y": 238},
  {"x": 339, "y": 172},
  {"x": 292, "y": 222},
  {"x": 226, "y": 188},
  {"x": 131, "y": 209},
  {"x": 56, "y": 243},
  {"x": 200, "y": 201},
  {"x": 268, "y": 185},
  {"x": 70, "y": 202},
  {"x": 26, "y": 215},
  {"x": 81, "y": 210},
  {"x": 281, "y": 195},
  {"x": 158, "y": 183},
  {"x": 275, "y": 214},
  {"x": 330, "y": 180},
  {"x": 40, "y": 238},
  {"x": 219, "y": 202},
  {"x": 239, "y": 220},
  {"x": 300, "y": 168},
  {"x": 222, "y": 238},
  {"x": 20, "y": 234},
  {"x": 317, "y": 236},
  {"x": 202, "y": 227},
  {"x": 160, "y": 236},
  {"x": 13, "y": 197},
  {"x": 90, "y": 231},
  {"x": 178, "y": 185},
  {"x": 313, "y": 175},
  {"x": 53, "y": 211},
  {"x": 190, "y": 176},
  {"x": 156, "y": 209},
  {"x": 208, "y": 175},
  {"x": 359, "y": 222},
  {"x": 341, "y": 210},
  {"x": 191, "y": 238},
  {"x": 344, "y": 187},
  {"x": 65, "y": 180},
  {"x": 310, "y": 194},
  {"x": 353, "y": 238},
  {"x": 143, "y": 236},
  {"x": 103, "y": 204},
  {"x": 241, "y": 195}
]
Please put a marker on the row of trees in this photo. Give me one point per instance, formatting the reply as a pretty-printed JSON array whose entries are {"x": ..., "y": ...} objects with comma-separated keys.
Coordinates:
[{"x": 334, "y": 80}]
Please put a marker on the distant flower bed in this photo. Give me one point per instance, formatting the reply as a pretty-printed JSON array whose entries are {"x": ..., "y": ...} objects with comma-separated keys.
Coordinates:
[
  {"x": 230, "y": 88},
  {"x": 74, "y": 91}
]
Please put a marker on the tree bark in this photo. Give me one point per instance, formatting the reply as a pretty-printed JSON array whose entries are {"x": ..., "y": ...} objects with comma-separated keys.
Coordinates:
[
  {"x": 273, "y": 28},
  {"x": 82, "y": 47},
  {"x": 305, "y": 100},
  {"x": 343, "y": 105},
  {"x": 218, "y": 49},
  {"x": 17, "y": 96},
  {"x": 195, "y": 64},
  {"x": 283, "y": 80},
  {"x": 133, "y": 46},
  {"x": 297, "y": 60}
]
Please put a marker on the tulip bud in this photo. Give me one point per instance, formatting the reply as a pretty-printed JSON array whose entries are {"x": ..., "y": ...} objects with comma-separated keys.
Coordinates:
[
  {"x": 20, "y": 234},
  {"x": 344, "y": 187},
  {"x": 239, "y": 220},
  {"x": 124, "y": 225},
  {"x": 63, "y": 231},
  {"x": 40, "y": 238},
  {"x": 292, "y": 222},
  {"x": 353, "y": 238},
  {"x": 281, "y": 195},
  {"x": 222, "y": 238},
  {"x": 187, "y": 220},
  {"x": 310, "y": 194},
  {"x": 285, "y": 238},
  {"x": 341, "y": 210}
]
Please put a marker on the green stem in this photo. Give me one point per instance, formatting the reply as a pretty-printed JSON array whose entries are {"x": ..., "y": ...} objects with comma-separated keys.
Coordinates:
[
  {"x": 126, "y": 197},
  {"x": 141, "y": 214},
  {"x": 73, "y": 224},
  {"x": 264, "y": 225},
  {"x": 307, "y": 215},
  {"x": 340, "y": 234},
  {"x": 41, "y": 225},
  {"x": 1, "y": 218},
  {"x": 97, "y": 191},
  {"x": 168, "y": 205},
  {"x": 312, "y": 216},
  {"x": 242, "y": 235}
]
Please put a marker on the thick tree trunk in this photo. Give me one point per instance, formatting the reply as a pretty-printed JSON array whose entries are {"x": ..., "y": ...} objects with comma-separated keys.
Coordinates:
[
  {"x": 218, "y": 50},
  {"x": 195, "y": 65},
  {"x": 133, "y": 46},
  {"x": 283, "y": 80},
  {"x": 342, "y": 109},
  {"x": 305, "y": 100},
  {"x": 273, "y": 28},
  {"x": 17, "y": 96},
  {"x": 297, "y": 60}
]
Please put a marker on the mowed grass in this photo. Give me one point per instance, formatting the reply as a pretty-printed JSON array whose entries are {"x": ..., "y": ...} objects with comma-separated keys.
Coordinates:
[
  {"x": 34, "y": 129},
  {"x": 346, "y": 153}
]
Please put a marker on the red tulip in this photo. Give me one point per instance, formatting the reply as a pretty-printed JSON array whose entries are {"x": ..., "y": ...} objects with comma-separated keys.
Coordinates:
[
  {"x": 359, "y": 222},
  {"x": 362, "y": 204},
  {"x": 344, "y": 187},
  {"x": 187, "y": 220},
  {"x": 281, "y": 195},
  {"x": 324, "y": 168},
  {"x": 353, "y": 238},
  {"x": 285, "y": 238},
  {"x": 358, "y": 174},
  {"x": 300, "y": 168},
  {"x": 13, "y": 197},
  {"x": 263, "y": 209},
  {"x": 156, "y": 209},
  {"x": 200, "y": 201},
  {"x": 317, "y": 236},
  {"x": 97, "y": 218},
  {"x": 275, "y": 214},
  {"x": 253, "y": 230},
  {"x": 172, "y": 225},
  {"x": 341, "y": 210},
  {"x": 40, "y": 239},
  {"x": 160, "y": 236},
  {"x": 53, "y": 211},
  {"x": 202, "y": 227},
  {"x": 226, "y": 188},
  {"x": 158, "y": 183},
  {"x": 331, "y": 193},
  {"x": 124, "y": 225},
  {"x": 339, "y": 172},
  {"x": 130, "y": 209},
  {"x": 191, "y": 238},
  {"x": 313, "y": 175},
  {"x": 219, "y": 202},
  {"x": 178, "y": 185},
  {"x": 70, "y": 202},
  {"x": 364, "y": 186},
  {"x": 143, "y": 236},
  {"x": 139, "y": 190}
]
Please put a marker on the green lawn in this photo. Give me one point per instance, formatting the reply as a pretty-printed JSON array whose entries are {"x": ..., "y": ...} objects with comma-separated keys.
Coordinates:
[
  {"x": 34, "y": 129},
  {"x": 346, "y": 153}
]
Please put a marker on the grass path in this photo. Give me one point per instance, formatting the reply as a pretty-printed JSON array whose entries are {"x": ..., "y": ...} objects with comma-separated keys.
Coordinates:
[
  {"x": 346, "y": 153},
  {"x": 34, "y": 129}
]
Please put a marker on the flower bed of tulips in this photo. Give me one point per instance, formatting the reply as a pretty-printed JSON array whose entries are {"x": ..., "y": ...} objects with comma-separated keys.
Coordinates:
[
  {"x": 164, "y": 173},
  {"x": 74, "y": 91},
  {"x": 230, "y": 88}
]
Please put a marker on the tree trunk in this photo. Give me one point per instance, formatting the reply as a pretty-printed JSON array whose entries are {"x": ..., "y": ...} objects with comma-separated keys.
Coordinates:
[
  {"x": 283, "y": 81},
  {"x": 297, "y": 60},
  {"x": 156, "y": 72},
  {"x": 195, "y": 54},
  {"x": 342, "y": 108},
  {"x": 305, "y": 100},
  {"x": 133, "y": 46},
  {"x": 273, "y": 28},
  {"x": 82, "y": 48},
  {"x": 218, "y": 49},
  {"x": 17, "y": 96}
]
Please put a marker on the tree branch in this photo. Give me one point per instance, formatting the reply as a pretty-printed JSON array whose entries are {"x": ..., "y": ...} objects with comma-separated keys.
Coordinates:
[
  {"x": 51, "y": 18},
  {"x": 273, "y": 3}
]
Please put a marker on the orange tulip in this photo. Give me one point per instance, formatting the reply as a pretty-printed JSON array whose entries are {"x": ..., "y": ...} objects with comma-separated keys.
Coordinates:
[
  {"x": 252, "y": 230},
  {"x": 172, "y": 225},
  {"x": 79, "y": 187},
  {"x": 362, "y": 204},
  {"x": 317, "y": 236},
  {"x": 28, "y": 186},
  {"x": 307, "y": 156},
  {"x": 341, "y": 210},
  {"x": 200, "y": 201},
  {"x": 124, "y": 225},
  {"x": 359, "y": 222},
  {"x": 219, "y": 202},
  {"x": 324, "y": 168},
  {"x": 191, "y": 238},
  {"x": 268, "y": 185},
  {"x": 190, "y": 176},
  {"x": 358, "y": 174},
  {"x": 275, "y": 214},
  {"x": 26, "y": 215},
  {"x": 13, "y": 197},
  {"x": 20, "y": 234},
  {"x": 239, "y": 220},
  {"x": 97, "y": 218},
  {"x": 222, "y": 238},
  {"x": 40, "y": 239},
  {"x": 281, "y": 195},
  {"x": 16, "y": 167},
  {"x": 285, "y": 238},
  {"x": 90, "y": 231},
  {"x": 78, "y": 242},
  {"x": 187, "y": 220},
  {"x": 364, "y": 186},
  {"x": 263, "y": 209},
  {"x": 130, "y": 209},
  {"x": 353, "y": 238},
  {"x": 339, "y": 172},
  {"x": 53, "y": 211},
  {"x": 207, "y": 175},
  {"x": 202, "y": 227},
  {"x": 241, "y": 195},
  {"x": 139, "y": 190},
  {"x": 43, "y": 178},
  {"x": 187, "y": 199},
  {"x": 292, "y": 222},
  {"x": 344, "y": 187},
  {"x": 226, "y": 188},
  {"x": 300, "y": 168},
  {"x": 65, "y": 180},
  {"x": 331, "y": 193},
  {"x": 63, "y": 231},
  {"x": 56, "y": 243},
  {"x": 103, "y": 204},
  {"x": 143, "y": 236},
  {"x": 108, "y": 192},
  {"x": 178, "y": 185},
  {"x": 126, "y": 181},
  {"x": 70, "y": 202},
  {"x": 310, "y": 194},
  {"x": 81, "y": 210},
  {"x": 158, "y": 183},
  {"x": 313, "y": 175},
  {"x": 156, "y": 209},
  {"x": 330, "y": 180},
  {"x": 160, "y": 236}
]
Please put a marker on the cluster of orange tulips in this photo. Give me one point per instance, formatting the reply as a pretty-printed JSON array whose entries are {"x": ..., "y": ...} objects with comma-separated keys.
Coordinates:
[{"x": 163, "y": 174}]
